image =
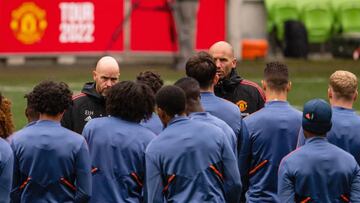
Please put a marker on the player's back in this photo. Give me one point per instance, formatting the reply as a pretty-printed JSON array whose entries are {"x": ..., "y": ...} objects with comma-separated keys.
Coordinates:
[
  {"x": 191, "y": 153},
  {"x": 52, "y": 164},
  {"x": 345, "y": 131},
  {"x": 273, "y": 134},
  {"x": 117, "y": 150}
]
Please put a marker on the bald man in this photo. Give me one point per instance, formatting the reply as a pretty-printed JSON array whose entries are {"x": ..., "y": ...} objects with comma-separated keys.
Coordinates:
[
  {"x": 247, "y": 95},
  {"x": 90, "y": 103}
]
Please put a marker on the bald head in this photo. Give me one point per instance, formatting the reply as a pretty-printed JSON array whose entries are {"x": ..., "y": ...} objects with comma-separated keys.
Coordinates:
[
  {"x": 223, "y": 54},
  {"x": 222, "y": 46},
  {"x": 106, "y": 74},
  {"x": 107, "y": 63}
]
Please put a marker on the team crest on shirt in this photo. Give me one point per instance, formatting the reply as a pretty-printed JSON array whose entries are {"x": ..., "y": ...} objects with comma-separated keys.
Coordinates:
[{"x": 242, "y": 105}]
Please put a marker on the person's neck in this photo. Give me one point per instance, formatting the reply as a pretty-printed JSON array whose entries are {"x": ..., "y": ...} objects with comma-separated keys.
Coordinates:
[
  {"x": 56, "y": 118},
  {"x": 341, "y": 103},
  {"x": 207, "y": 90},
  {"x": 194, "y": 107},
  {"x": 275, "y": 96}
]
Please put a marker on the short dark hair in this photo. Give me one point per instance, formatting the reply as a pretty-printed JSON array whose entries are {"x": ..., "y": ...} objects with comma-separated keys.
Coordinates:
[
  {"x": 49, "y": 97},
  {"x": 171, "y": 99},
  {"x": 190, "y": 86},
  {"x": 202, "y": 67},
  {"x": 152, "y": 79},
  {"x": 130, "y": 101},
  {"x": 276, "y": 75}
]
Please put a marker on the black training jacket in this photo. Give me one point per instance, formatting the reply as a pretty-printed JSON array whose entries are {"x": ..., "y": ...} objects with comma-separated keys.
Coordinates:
[
  {"x": 247, "y": 95},
  {"x": 87, "y": 105}
]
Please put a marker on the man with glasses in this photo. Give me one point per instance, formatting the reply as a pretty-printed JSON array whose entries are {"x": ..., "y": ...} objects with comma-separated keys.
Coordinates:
[{"x": 90, "y": 103}]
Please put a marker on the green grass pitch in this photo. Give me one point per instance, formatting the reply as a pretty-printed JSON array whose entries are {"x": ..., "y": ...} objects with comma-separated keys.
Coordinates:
[{"x": 309, "y": 78}]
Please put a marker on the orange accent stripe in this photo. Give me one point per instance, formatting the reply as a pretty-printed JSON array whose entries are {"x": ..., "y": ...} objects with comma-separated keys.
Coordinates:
[
  {"x": 217, "y": 172},
  {"x": 343, "y": 197},
  {"x": 306, "y": 200},
  {"x": 25, "y": 183},
  {"x": 93, "y": 170},
  {"x": 78, "y": 96},
  {"x": 248, "y": 82},
  {"x": 137, "y": 179},
  {"x": 258, "y": 167},
  {"x": 67, "y": 183},
  {"x": 172, "y": 177}
]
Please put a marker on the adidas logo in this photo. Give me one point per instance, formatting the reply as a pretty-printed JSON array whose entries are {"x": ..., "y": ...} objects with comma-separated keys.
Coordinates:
[{"x": 87, "y": 118}]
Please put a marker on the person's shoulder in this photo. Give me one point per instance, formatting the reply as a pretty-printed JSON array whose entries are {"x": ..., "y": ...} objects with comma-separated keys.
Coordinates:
[
  {"x": 20, "y": 135},
  {"x": 4, "y": 147},
  {"x": 295, "y": 111},
  {"x": 78, "y": 96},
  {"x": 228, "y": 105},
  {"x": 71, "y": 135},
  {"x": 294, "y": 155},
  {"x": 145, "y": 134},
  {"x": 252, "y": 86},
  {"x": 259, "y": 114}
]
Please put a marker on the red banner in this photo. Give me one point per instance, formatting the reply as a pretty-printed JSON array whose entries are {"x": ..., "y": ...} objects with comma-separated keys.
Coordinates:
[
  {"x": 153, "y": 29},
  {"x": 60, "y": 26},
  {"x": 77, "y": 26}
]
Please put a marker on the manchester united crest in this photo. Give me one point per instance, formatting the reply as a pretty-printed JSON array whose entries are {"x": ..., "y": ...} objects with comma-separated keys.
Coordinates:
[
  {"x": 28, "y": 23},
  {"x": 242, "y": 105}
]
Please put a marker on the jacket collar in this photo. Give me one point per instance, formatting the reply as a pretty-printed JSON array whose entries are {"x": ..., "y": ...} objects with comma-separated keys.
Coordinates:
[
  {"x": 90, "y": 90},
  {"x": 177, "y": 119},
  {"x": 228, "y": 83},
  {"x": 315, "y": 139}
]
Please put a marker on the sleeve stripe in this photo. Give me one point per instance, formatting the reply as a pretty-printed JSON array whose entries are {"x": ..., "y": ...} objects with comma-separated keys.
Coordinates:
[{"x": 253, "y": 84}]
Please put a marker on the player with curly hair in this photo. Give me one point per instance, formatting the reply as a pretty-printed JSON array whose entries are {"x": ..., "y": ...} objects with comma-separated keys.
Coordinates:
[
  {"x": 117, "y": 143},
  {"x": 154, "y": 81},
  {"x": 6, "y": 155},
  {"x": 53, "y": 163}
]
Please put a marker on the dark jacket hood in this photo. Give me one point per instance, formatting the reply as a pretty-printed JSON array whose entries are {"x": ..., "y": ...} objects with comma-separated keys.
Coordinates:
[
  {"x": 90, "y": 90},
  {"x": 227, "y": 84}
]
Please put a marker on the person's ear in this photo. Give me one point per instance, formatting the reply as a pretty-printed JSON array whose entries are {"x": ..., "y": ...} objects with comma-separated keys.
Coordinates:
[
  {"x": 94, "y": 73},
  {"x": 288, "y": 86},
  {"x": 355, "y": 95},
  {"x": 330, "y": 93},
  {"x": 216, "y": 79},
  {"x": 234, "y": 62},
  {"x": 263, "y": 84},
  {"x": 162, "y": 115}
]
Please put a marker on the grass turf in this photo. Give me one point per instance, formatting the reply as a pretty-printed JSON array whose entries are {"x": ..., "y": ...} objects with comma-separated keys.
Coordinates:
[{"x": 309, "y": 78}]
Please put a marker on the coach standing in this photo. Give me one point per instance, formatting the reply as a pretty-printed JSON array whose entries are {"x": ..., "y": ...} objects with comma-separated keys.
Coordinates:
[
  {"x": 247, "y": 95},
  {"x": 90, "y": 103}
]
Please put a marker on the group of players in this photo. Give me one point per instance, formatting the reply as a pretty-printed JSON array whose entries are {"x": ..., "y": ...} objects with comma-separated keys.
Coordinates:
[{"x": 211, "y": 137}]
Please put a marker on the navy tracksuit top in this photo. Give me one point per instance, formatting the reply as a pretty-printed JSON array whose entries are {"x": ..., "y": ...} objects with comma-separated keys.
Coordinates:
[
  {"x": 117, "y": 150},
  {"x": 52, "y": 164},
  {"x": 344, "y": 133},
  {"x": 319, "y": 172},
  {"x": 273, "y": 134},
  {"x": 192, "y": 162}
]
